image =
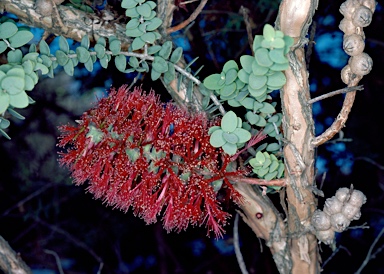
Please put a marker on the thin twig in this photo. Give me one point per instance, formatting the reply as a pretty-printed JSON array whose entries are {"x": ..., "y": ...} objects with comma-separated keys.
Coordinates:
[
  {"x": 57, "y": 259},
  {"x": 29, "y": 197},
  {"x": 236, "y": 244},
  {"x": 371, "y": 162},
  {"x": 370, "y": 256},
  {"x": 245, "y": 13},
  {"x": 342, "y": 118},
  {"x": 255, "y": 181},
  {"x": 73, "y": 239},
  {"x": 190, "y": 19},
  {"x": 333, "y": 255},
  {"x": 336, "y": 92}
]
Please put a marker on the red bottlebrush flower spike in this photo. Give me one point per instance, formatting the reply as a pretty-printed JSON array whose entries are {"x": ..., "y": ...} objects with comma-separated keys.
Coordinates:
[{"x": 136, "y": 152}]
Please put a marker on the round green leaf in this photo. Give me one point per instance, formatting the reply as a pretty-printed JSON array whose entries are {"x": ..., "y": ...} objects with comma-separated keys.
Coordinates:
[
  {"x": 252, "y": 117},
  {"x": 150, "y": 3},
  {"x": 243, "y": 135},
  {"x": 277, "y": 56},
  {"x": 151, "y": 16},
  {"x": 229, "y": 121},
  {"x": 272, "y": 148},
  {"x": 233, "y": 103},
  {"x": 46, "y": 60},
  {"x": 257, "y": 92},
  {"x": 279, "y": 67},
  {"x": 132, "y": 24},
  {"x": 15, "y": 56},
  {"x": 115, "y": 46},
  {"x": 262, "y": 57},
  {"x": 159, "y": 64},
  {"x": 217, "y": 139},
  {"x": 267, "y": 108},
  {"x": 230, "y": 76},
  {"x": 261, "y": 122},
  {"x": 132, "y": 12},
  {"x": 61, "y": 57},
  {"x": 120, "y": 62},
  {"x": 148, "y": 37},
  {"x": 243, "y": 76},
  {"x": 228, "y": 90},
  {"x": 144, "y": 10},
  {"x": 13, "y": 84},
  {"x": 277, "y": 79},
  {"x": 104, "y": 61},
  {"x": 4, "y": 123},
  {"x": 230, "y": 65},
  {"x": 155, "y": 75},
  {"x": 246, "y": 62},
  {"x": 17, "y": 71},
  {"x": 212, "y": 82},
  {"x": 241, "y": 95},
  {"x": 89, "y": 65},
  {"x": 63, "y": 44},
  {"x": 257, "y": 82},
  {"x": 239, "y": 84},
  {"x": 68, "y": 68},
  {"x": 44, "y": 70},
  {"x": 270, "y": 175},
  {"x": 260, "y": 157},
  {"x": 268, "y": 32},
  {"x": 133, "y": 62},
  {"x": 137, "y": 43},
  {"x": 166, "y": 50},
  {"x": 257, "y": 42},
  {"x": 7, "y": 29},
  {"x": 280, "y": 170},
  {"x": 288, "y": 43},
  {"x": 4, "y": 101},
  {"x": 278, "y": 43},
  {"x": 229, "y": 148},
  {"x": 154, "y": 24},
  {"x": 259, "y": 70},
  {"x": 176, "y": 55},
  {"x": 230, "y": 137},
  {"x": 100, "y": 51},
  {"x": 247, "y": 103},
  {"x": 3, "y": 46},
  {"x": 19, "y": 100},
  {"x": 85, "y": 41},
  {"x": 82, "y": 54},
  {"x": 29, "y": 84},
  {"x": 153, "y": 49}
]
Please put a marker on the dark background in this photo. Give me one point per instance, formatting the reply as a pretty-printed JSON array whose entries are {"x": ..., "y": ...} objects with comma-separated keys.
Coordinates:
[{"x": 41, "y": 211}]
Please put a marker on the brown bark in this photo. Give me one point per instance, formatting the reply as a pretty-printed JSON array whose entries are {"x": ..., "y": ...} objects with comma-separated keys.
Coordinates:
[{"x": 294, "y": 18}]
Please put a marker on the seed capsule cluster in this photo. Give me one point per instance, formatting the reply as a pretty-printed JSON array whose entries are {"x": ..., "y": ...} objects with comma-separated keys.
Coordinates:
[
  {"x": 337, "y": 214},
  {"x": 357, "y": 15}
]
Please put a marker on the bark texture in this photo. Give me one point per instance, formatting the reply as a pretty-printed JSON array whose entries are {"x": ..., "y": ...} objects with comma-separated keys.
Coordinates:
[{"x": 10, "y": 261}]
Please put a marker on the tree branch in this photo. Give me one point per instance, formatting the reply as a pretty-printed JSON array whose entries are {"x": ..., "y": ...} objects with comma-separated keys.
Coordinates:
[
  {"x": 10, "y": 261},
  {"x": 341, "y": 119},
  {"x": 336, "y": 92},
  {"x": 76, "y": 22},
  {"x": 190, "y": 19}
]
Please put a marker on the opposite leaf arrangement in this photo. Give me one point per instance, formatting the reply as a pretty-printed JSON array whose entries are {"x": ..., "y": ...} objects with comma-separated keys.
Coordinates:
[{"x": 156, "y": 158}]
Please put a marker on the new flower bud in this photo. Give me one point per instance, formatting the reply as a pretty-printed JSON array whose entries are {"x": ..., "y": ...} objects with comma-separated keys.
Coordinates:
[
  {"x": 332, "y": 206},
  {"x": 339, "y": 222},
  {"x": 353, "y": 44},
  {"x": 362, "y": 16},
  {"x": 320, "y": 220}
]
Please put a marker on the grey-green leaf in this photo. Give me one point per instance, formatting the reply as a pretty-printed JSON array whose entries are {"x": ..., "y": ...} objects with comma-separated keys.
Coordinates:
[{"x": 7, "y": 29}]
